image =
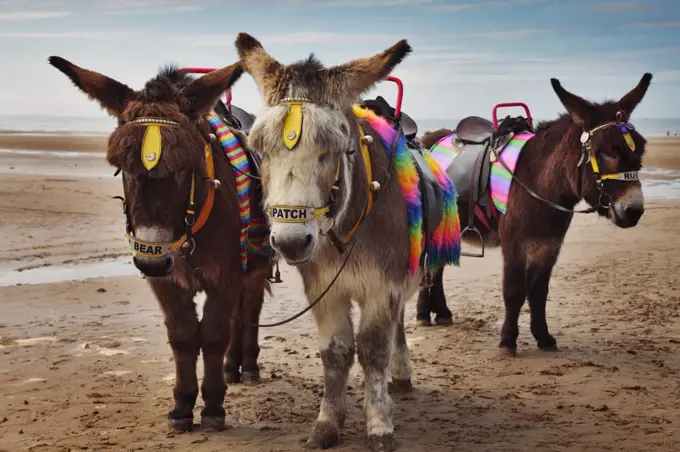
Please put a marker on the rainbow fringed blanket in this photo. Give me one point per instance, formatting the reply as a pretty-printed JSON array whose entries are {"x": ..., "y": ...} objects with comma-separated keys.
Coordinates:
[
  {"x": 445, "y": 151},
  {"x": 445, "y": 246},
  {"x": 254, "y": 226}
]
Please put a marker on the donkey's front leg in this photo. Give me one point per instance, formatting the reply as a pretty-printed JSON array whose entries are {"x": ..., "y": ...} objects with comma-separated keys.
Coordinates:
[
  {"x": 181, "y": 322},
  {"x": 374, "y": 346},
  {"x": 214, "y": 340},
  {"x": 400, "y": 363},
  {"x": 336, "y": 339}
]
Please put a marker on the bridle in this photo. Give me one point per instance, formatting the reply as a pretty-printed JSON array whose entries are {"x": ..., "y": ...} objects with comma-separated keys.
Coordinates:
[
  {"x": 150, "y": 155},
  {"x": 587, "y": 155},
  {"x": 292, "y": 128}
]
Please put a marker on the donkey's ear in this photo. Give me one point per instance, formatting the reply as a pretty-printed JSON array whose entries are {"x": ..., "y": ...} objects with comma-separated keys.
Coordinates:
[
  {"x": 633, "y": 98},
  {"x": 576, "y": 106},
  {"x": 257, "y": 62},
  {"x": 111, "y": 95},
  {"x": 201, "y": 95},
  {"x": 358, "y": 76}
]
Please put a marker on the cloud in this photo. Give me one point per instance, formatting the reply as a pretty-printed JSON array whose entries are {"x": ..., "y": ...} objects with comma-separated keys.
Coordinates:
[
  {"x": 365, "y": 3},
  {"x": 454, "y": 7},
  {"x": 30, "y": 15},
  {"x": 618, "y": 7},
  {"x": 655, "y": 24},
  {"x": 502, "y": 34},
  {"x": 96, "y": 35},
  {"x": 311, "y": 37},
  {"x": 43, "y": 9}
]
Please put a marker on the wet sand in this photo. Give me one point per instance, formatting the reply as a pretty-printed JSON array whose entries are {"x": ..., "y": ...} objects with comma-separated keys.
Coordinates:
[{"x": 85, "y": 364}]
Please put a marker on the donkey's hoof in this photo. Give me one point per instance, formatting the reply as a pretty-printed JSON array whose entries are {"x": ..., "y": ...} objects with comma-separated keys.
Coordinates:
[
  {"x": 444, "y": 321},
  {"x": 324, "y": 435},
  {"x": 400, "y": 386},
  {"x": 232, "y": 377},
  {"x": 251, "y": 377},
  {"x": 423, "y": 322},
  {"x": 181, "y": 425},
  {"x": 384, "y": 443},
  {"x": 548, "y": 344},
  {"x": 507, "y": 352},
  {"x": 211, "y": 424}
]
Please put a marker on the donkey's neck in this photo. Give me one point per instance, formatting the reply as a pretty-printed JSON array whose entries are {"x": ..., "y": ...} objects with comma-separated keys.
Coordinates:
[{"x": 549, "y": 164}]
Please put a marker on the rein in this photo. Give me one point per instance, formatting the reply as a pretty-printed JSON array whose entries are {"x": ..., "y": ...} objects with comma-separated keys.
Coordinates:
[
  {"x": 587, "y": 154},
  {"x": 355, "y": 232},
  {"x": 151, "y": 150}
]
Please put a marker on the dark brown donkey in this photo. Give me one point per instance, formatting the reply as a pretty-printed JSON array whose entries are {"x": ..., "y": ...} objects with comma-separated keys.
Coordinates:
[
  {"x": 181, "y": 199},
  {"x": 592, "y": 154}
]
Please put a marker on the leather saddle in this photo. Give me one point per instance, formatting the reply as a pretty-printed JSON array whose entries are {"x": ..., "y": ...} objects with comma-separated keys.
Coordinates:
[
  {"x": 235, "y": 117},
  {"x": 470, "y": 171},
  {"x": 382, "y": 108}
]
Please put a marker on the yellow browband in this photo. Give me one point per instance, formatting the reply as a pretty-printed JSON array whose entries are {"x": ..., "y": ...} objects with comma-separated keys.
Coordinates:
[
  {"x": 628, "y": 176},
  {"x": 151, "y": 151}
]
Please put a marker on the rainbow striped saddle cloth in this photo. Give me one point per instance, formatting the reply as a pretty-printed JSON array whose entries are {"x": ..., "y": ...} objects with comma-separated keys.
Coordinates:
[{"x": 473, "y": 166}]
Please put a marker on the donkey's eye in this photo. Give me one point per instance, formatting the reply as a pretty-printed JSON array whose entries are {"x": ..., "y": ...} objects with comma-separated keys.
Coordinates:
[
  {"x": 323, "y": 158},
  {"x": 610, "y": 154}
]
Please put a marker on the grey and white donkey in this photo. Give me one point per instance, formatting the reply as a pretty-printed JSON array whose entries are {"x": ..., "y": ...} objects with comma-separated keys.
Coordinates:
[{"x": 317, "y": 166}]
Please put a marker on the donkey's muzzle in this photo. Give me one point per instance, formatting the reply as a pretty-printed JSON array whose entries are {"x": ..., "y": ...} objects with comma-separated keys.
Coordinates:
[
  {"x": 295, "y": 249},
  {"x": 154, "y": 267},
  {"x": 628, "y": 217}
]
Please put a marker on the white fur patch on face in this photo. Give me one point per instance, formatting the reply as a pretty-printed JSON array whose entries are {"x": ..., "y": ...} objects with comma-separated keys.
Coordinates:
[{"x": 153, "y": 234}]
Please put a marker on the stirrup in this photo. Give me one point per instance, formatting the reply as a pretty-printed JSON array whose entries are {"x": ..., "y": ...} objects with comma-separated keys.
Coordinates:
[
  {"x": 472, "y": 229},
  {"x": 274, "y": 277}
]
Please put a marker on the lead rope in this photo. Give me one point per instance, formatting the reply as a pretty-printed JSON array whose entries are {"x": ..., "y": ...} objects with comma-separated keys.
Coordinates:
[{"x": 202, "y": 281}]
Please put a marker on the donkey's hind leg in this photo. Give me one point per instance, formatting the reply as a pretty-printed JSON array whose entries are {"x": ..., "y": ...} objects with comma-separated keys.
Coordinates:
[
  {"x": 336, "y": 339},
  {"x": 179, "y": 310},
  {"x": 251, "y": 308},
  {"x": 375, "y": 341},
  {"x": 214, "y": 339},
  {"x": 424, "y": 307},
  {"x": 234, "y": 353},
  {"x": 401, "y": 368},
  {"x": 443, "y": 315}
]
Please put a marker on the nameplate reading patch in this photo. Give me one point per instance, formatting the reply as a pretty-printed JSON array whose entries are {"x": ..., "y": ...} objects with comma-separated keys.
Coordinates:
[{"x": 290, "y": 214}]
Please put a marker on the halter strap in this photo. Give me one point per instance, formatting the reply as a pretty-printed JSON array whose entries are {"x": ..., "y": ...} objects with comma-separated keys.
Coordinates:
[
  {"x": 290, "y": 135},
  {"x": 151, "y": 152}
]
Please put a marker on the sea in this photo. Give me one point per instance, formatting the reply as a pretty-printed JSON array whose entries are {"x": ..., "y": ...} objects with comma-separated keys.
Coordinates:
[{"x": 65, "y": 125}]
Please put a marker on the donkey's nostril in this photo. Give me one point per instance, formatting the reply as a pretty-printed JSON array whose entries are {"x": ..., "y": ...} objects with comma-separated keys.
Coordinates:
[
  {"x": 272, "y": 240},
  {"x": 308, "y": 239}
]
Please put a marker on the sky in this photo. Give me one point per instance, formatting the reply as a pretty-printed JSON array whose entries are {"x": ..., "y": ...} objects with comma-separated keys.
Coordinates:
[{"x": 467, "y": 54}]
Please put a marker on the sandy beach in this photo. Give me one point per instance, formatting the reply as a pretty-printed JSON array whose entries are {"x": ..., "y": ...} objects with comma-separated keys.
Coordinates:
[{"x": 85, "y": 364}]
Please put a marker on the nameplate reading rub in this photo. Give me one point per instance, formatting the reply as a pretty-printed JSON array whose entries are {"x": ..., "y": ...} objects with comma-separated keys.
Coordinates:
[
  {"x": 630, "y": 176},
  {"x": 291, "y": 214}
]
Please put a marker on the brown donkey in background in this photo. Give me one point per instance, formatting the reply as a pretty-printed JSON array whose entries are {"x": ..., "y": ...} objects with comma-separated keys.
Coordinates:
[
  {"x": 180, "y": 197},
  {"x": 558, "y": 164}
]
